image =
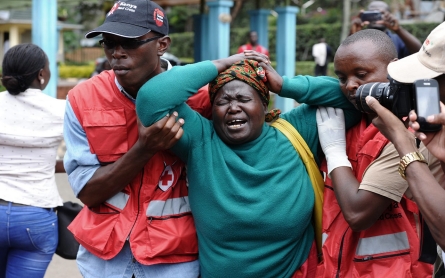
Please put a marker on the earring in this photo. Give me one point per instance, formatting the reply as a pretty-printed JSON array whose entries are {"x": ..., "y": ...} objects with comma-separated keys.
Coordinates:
[{"x": 42, "y": 81}]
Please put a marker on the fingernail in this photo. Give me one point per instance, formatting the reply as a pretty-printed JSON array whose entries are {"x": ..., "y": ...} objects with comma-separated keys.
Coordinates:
[
  {"x": 175, "y": 114},
  {"x": 168, "y": 115},
  {"x": 181, "y": 121},
  {"x": 430, "y": 118}
]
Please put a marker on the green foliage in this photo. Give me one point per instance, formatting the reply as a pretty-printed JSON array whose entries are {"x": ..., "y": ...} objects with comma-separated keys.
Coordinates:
[
  {"x": 180, "y": 18},
  {"x": 182, "y": 44},
  {"x": 301, "y": 68},
  {"x": 329, "y": 16},
  {"x": 308, "y": 67},
  {"x": 72, "y": 71},
  {"x": 307, "y": 35},
  {"x": 421, "y": 30},
  {"x": 71, "y": 40}
]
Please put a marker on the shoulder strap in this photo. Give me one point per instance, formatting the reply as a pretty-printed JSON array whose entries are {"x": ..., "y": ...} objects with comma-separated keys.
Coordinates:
[{"x": 312, "y": 169}]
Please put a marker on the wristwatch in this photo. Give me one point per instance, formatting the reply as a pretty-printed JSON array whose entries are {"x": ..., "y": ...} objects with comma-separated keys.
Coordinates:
[{"x": 407, "y": 159}]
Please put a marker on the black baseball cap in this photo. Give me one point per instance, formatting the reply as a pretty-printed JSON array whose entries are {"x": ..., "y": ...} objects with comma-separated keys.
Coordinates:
[{"x": 132, "y": 19}]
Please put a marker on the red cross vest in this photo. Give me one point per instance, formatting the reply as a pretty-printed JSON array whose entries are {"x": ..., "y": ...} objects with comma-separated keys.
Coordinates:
[
  {"x": 391, "y": 247},
  {"x": 153, "y": 210}
]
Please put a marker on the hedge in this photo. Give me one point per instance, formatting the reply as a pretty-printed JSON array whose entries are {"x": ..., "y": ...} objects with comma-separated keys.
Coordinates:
[
  {"x": 73, "y": 71},
  {"x": 307, "y": 35}
]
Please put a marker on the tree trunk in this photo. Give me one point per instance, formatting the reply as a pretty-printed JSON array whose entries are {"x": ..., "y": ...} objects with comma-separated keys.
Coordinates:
[
  {"x": 237, "y": 8},
  {"x": 346, "y": 19}
]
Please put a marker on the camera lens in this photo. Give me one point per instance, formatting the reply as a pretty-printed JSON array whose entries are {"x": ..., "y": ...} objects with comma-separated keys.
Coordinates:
[{"x": 378, "y": 90}]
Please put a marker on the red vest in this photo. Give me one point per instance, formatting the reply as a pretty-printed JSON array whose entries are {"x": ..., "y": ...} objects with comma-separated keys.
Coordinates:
[
  {"x": 152, "y": 211},
  {"x": 391, "y": 247},
  {"x": 257, "y": 48}
]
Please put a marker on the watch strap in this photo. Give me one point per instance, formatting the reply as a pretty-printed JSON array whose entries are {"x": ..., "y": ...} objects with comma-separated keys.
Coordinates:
[{"x": 408, "y": 159}]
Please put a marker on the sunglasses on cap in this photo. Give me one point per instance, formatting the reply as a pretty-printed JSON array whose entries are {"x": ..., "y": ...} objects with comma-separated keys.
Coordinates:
[{"x": 126, "y": 43}]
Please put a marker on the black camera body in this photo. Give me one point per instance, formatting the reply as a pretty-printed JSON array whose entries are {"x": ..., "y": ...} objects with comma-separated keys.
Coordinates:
[
  {"x": 400, "y": 98},
  {"x": 371, "y": 16}
]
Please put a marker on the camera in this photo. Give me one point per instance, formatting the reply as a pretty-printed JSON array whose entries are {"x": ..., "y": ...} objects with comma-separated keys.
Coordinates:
[
  {"x": 371, "y": 16},
  {"x": 400, "y": 98}
]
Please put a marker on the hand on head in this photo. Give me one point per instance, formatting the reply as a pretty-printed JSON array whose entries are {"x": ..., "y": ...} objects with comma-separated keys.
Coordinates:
[
  {"x": 253, "y": 55},
  {"x": 225, "y": 63},
  {"x": 274, "y": 80}
]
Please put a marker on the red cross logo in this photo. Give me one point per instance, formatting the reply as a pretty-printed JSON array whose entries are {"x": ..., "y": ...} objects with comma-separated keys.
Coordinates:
[
  {"x": 113, "y": 8},
  {"x": 167, "y": 178}
]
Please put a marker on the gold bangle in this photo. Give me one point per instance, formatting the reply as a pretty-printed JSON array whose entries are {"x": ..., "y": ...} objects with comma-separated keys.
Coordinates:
[{"x": 407, "y": 159}]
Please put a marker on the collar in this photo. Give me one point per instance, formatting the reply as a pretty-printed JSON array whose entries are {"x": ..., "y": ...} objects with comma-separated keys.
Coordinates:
[{"x": 119, "y": 86}]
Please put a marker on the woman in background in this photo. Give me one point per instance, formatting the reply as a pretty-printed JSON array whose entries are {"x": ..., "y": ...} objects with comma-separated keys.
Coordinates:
[{"x": 31, "y": 126}]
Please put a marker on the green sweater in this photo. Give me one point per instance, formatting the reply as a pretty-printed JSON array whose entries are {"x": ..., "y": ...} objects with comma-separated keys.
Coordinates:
[{"x": 252, "y": 203}]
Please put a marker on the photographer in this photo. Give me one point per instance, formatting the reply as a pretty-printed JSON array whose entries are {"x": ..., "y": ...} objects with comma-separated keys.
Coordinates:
[
  {"x": 369, "y": 221},
  {"x": 403, "y": 40},
  {"x": 428, "y": 193}
]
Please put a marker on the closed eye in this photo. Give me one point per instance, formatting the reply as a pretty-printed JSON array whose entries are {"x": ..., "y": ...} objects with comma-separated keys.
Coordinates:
[
  {"x": 362, "y": 75},
  {"x": 222, "y": 102},
  {"x": 244, "y": 100},
  {"x": 342, "y": 79}
]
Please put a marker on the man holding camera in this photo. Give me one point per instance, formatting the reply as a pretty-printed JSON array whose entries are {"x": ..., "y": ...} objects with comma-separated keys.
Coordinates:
[
  {"x": 378, "y": 16},
  {"x": 369, "y": 220},
  {"x": 427, "y": 191}
]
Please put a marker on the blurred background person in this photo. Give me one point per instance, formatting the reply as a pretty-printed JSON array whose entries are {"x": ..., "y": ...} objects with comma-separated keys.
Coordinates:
[
  {"x": 101, "y": 65},
  {"x": 322, "y": 52},
  {"x": 253, "y": 44},
  {"x": 31, "y": 131},
  {"x": 406, "y": 44}
]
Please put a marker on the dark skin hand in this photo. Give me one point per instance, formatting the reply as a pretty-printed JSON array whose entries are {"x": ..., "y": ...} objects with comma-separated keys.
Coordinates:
[
  {"x": 59, "y": 167},
  {"x": 162, "y": 135},
  {"x": 274, "y": 80},
  {"x": 427, "y": 192}
]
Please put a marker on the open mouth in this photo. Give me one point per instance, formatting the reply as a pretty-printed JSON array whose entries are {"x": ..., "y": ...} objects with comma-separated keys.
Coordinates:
[{"x": 235, "y": 124}]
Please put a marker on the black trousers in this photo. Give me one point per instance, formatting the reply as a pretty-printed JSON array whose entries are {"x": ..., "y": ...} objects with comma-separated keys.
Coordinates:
[{"x": 321, "y": 70}]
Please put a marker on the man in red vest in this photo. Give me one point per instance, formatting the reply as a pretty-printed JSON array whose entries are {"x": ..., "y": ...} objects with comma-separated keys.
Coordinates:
[
  {"x": 253, "y": 44},
  {"x": 370, "y": 225},
  {"x": 137, "y": 219}
]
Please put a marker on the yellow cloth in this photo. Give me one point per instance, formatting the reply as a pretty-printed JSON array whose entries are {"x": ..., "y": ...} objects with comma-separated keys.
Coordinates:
[{"x": 312, "y": 169}]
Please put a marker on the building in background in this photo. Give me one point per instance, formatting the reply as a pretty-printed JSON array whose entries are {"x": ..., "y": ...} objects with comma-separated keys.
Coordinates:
[{"x": 16, "y": 28}]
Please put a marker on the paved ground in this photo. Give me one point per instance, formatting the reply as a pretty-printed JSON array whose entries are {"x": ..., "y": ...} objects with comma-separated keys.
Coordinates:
[{"x": 60, "y": 267}]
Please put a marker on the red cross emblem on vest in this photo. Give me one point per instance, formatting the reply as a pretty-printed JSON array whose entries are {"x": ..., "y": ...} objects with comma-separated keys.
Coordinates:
[{"x": 167, "y": 178}]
